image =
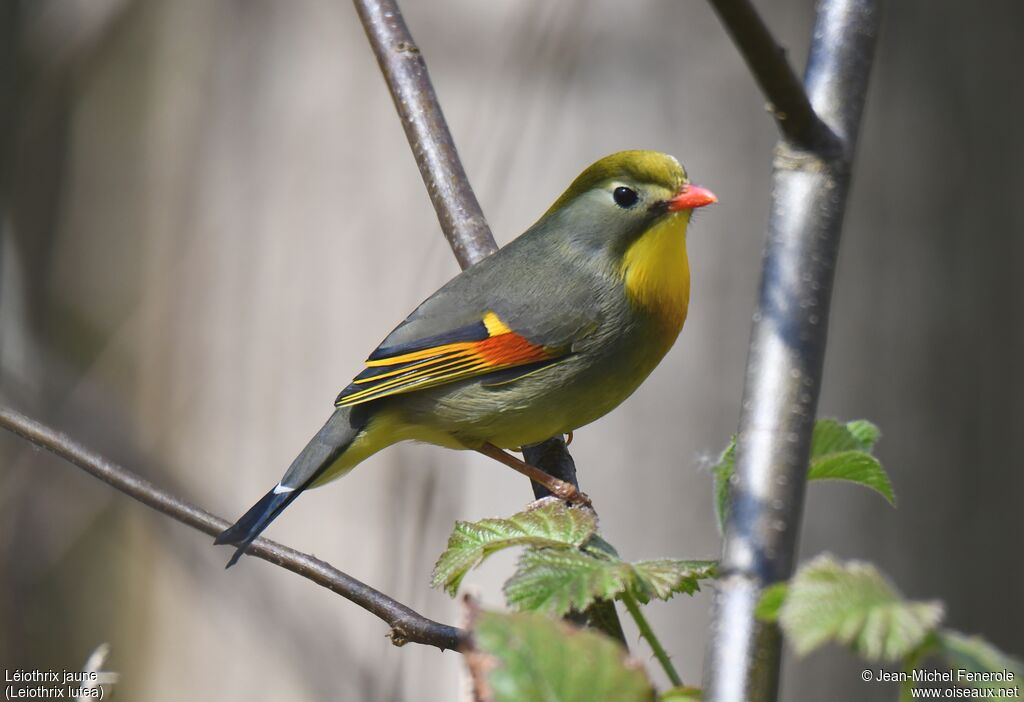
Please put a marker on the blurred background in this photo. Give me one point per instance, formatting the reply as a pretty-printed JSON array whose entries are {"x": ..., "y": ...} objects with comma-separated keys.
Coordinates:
[{"x": 209, "y": 215}]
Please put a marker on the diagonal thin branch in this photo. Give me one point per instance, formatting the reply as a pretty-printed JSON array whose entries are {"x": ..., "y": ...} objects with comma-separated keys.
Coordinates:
[
  {"x": 405, "y": 72},
  {"x": 787, "y": 99},
  {"x": 406, "y": 624}
]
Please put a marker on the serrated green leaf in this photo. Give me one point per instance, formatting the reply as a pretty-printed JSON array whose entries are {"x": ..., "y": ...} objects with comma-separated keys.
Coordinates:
[
  {"x": 530, "y": 657},
  {"x": 681, "y": 694},
  {"x": 838, "y": 452},
  {"x": 854, "y": 467},
  {"x": 852, "y": 603},
  {"x": 771, "y": 601},
  {"x": 843, "y": 452},
  {"x": 979, "y": 660},
  {"x": 722, "y": 473},
  {"x": 665, "y": 577},
  {"x": 556, "y": 581},
  {"x": 550, "y": 523}
]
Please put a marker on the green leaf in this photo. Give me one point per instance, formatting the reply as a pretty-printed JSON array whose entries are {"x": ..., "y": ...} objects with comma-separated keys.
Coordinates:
[
  {"x": 557, "y": 581},
  {"x": 772, "y": 598},
  {"x": 838, "y": 452},
  {"x": 855, "y": 467},
  {"x": 832, "y": 436},
  {"x": 843, "y": 452},
  {"x": 722, "y": 473},
  {"x": 978, "y": 659},
  {"x": 681, "y": 694},
  {"x": 530, "y": 657},
  {"x": 666, "y": 577},
  {"x": 549, "y": 523},
  {"x": 852, "y": 603}
]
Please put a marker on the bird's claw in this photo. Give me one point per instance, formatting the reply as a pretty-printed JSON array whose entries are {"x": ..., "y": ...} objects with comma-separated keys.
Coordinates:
[{"x": 570, "y": 493}]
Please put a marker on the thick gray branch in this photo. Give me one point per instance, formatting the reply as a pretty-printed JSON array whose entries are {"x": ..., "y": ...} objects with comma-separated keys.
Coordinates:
[
  {"x": 787, "y": 351},
  {"x": 406, "y": 625}
]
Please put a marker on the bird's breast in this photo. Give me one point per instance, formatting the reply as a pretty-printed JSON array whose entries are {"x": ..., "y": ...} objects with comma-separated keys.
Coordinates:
[{"x": 656, "y": 274}]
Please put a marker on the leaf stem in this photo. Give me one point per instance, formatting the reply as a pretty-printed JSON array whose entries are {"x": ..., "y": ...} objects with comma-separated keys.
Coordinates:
[{"x": 645, "y": 631}]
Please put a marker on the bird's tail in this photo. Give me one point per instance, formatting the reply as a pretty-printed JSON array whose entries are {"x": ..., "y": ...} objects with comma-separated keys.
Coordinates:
[{"x": 322, "y": 452}]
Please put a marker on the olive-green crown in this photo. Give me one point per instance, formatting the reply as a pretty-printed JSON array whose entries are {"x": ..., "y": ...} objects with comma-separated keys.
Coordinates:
[{"x": 651, "y": 167}]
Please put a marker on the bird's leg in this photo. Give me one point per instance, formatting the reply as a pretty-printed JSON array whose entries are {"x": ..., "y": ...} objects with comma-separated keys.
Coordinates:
[{"x": 559, "y": 488}]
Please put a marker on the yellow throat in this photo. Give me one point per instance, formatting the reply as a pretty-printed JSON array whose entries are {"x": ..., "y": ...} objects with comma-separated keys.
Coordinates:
[{"x": 656, "y": 272}]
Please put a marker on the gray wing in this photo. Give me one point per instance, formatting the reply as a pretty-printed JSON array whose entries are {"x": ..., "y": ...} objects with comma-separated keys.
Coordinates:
[
  {"x": 534, "y": 286},
  {"x": 497, "y": 317}
]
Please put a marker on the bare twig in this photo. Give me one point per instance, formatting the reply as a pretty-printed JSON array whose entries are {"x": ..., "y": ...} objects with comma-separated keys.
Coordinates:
[
  {"x": 787, "y": 100},
  {"x": 787, "y": 351},
  {"x": 406, "y": 625},
  {"x": 406, "y": 74}
]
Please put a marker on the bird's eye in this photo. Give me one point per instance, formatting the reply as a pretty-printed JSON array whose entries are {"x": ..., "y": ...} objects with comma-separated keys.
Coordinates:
[{"x": 625, "y": 197}]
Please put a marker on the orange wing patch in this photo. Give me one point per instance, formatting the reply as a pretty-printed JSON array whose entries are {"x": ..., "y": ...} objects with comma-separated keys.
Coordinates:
[{"x": 480, "y": 349}]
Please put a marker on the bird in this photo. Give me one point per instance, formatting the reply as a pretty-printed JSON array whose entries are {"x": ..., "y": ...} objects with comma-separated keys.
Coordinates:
[{"x": 544, "y": 336}]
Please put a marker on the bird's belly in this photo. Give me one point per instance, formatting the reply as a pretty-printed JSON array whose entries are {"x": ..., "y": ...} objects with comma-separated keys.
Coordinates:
[{"x": 555, "y": 400}]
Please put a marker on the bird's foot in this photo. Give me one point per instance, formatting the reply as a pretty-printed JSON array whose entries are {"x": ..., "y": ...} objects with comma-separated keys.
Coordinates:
[
  {"x": 568, "y": 492},
  {"x": 559, "y": 488}
]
